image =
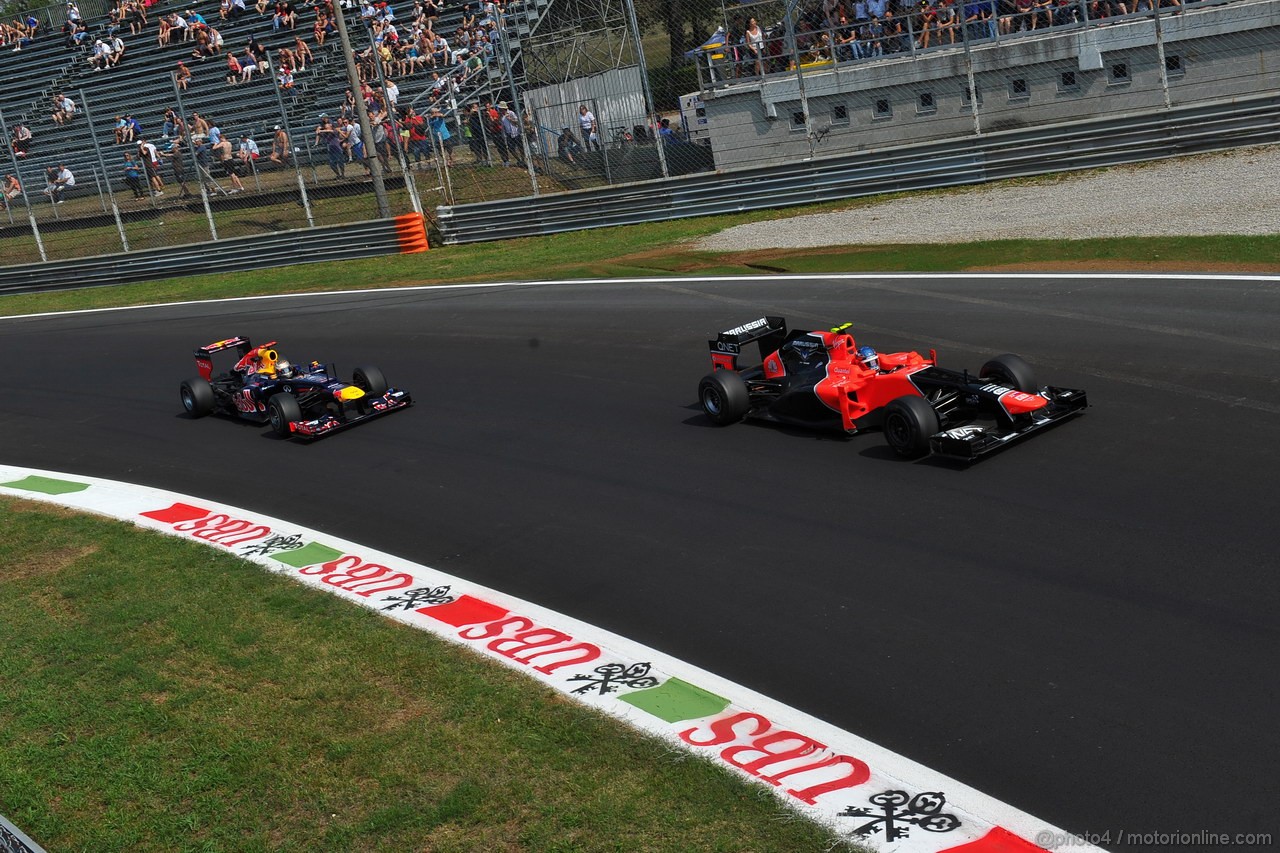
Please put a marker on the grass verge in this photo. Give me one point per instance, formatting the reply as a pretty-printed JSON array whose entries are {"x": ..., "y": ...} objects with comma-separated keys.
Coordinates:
[
  {"x": 160, "y": 695},
  {"x": 667, "y": 249}
]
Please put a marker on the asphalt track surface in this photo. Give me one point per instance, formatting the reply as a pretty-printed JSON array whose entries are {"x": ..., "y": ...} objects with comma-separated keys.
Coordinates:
[{"x": 1084, "y": 626}]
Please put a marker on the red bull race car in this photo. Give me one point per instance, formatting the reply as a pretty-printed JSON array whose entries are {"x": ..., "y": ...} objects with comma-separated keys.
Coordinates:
[
  {"x": 823, "y": 379},
  {"x": 306, "y": 402}
]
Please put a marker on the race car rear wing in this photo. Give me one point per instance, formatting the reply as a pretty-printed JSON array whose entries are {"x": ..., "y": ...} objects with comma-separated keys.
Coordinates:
[
  {"x": 770, "y": 332},
  {"x": 204, "y": 355}
]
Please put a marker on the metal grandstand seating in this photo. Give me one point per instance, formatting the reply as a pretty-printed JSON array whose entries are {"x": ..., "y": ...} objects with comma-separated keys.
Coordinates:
[{"x": 141, "y": 85}]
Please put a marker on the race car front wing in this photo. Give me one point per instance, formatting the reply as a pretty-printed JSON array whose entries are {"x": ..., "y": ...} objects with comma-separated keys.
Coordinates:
[
  {"x": 973, "y": 440},
  {"x": 391, "y": 401}
]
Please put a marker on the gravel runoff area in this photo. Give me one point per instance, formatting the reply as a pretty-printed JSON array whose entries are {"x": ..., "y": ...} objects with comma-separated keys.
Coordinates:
[{"x": 1235, "y": 192}]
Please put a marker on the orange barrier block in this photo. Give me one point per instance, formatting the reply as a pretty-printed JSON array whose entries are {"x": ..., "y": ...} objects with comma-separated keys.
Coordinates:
[{"x": 411, "y": 228}]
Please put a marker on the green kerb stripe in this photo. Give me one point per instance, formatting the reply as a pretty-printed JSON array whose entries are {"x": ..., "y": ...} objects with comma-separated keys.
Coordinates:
[
  {"x": 47, "y": 485},
  {"x": 674, "y": 700},
  {"x": 307, "y": 555}
]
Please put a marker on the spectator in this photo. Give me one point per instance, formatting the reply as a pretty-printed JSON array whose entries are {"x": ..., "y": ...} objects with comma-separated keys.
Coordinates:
[
  {"x": 511, "y": 131},
  {"x": 73, "y": 14},
  {"x": 475, "y": 134},
  {"x": 124, "y": 132},
  {"x": 230, "y": 166},
  {"x": 248, "y": 64},
  {"x": 215, "y": 135},
  {"x": 323, "y": 27},
  {"x": 301, "y": 53},
  {"x": 135, "y": 128},
  {"x": 234, "y": 70},
  {"x": 328, "y": 136},
  {"x": 21, "y": 142},
  {"x": 419, "y": 144},
  {"x": 353, "y": 143},
  {"x": 948, "y": 19},
  {"x": 668, "y": 135},
  {"x": 236, "y": 10},
  {"x": 256, "y": 49},
  {"x": 590, "y": 129},
  {"x": 280, "y": 147},
  {"x": 440, "y": 133},
  {"x": 165, "y": 31},
  {"x": 248, "y": 151},
  {"x": 199, "y": 128},
  {"x": 183, "y": 76},
  {"x": 178, "y": 163},
  {"x": 60, "y": 180},
  {"x": 136, "y": 16},
  {"x": 755, "y": 46},
  {"x": 204, "y": 44},
  {"x": 100, "y": 58},
  {"x": 172, "y": 124},
  {"x": 64, "y": 109},
  {"x": 151, "y": 164},
  {"x": 117, "y": 51},
  {"x": 285, "y": 78},
  {"x": 567, "y": 147},
  {"x": 11, "y": 190},
  {"x": 133, "y": 176}
]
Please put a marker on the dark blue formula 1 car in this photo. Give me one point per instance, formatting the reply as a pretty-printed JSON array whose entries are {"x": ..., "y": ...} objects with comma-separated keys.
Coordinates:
[{"x": 305, "y": 402}]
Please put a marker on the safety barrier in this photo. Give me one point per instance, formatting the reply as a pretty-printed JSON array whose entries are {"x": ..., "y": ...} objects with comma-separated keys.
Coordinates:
[
  {"x": 262, "y": 251},
  {"x": 975, "y": 159}
]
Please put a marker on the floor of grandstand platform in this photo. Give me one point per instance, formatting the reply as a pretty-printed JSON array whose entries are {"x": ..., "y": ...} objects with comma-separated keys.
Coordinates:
[{"x": 1082, "y": 626}]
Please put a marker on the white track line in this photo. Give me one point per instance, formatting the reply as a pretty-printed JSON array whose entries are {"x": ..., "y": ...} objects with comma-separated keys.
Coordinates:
[{"x": 754, "y": 279}]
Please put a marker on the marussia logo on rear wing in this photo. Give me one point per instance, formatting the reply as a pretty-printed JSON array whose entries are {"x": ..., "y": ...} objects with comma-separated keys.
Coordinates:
[{"x": 748, "y": 327}]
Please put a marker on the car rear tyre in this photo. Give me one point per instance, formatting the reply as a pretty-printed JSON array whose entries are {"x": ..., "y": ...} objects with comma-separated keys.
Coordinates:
[
  {"x": 908, "y": 424},
  {"x": 724, "y": 397},
  {"x": 283, "y": 410},
  {"x": 1009, "y": 369},
  {"x": 197, "y": 397},
  {"x": 369, "y": 380}
]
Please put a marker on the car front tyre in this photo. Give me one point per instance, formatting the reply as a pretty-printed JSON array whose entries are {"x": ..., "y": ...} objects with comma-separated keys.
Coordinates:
[
  {"x": 369, "y": 380},
  {"x": 197, "y": 397},
  {"x": 1009, "y": 369},
  {"x": 908, "y": 424},
  {"x": 283, "y": 410}
]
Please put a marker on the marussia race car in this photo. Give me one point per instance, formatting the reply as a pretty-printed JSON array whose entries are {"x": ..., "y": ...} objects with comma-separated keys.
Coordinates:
[
  {"x": 306, "y": 402},
  {"x": 821, "y": 379}
]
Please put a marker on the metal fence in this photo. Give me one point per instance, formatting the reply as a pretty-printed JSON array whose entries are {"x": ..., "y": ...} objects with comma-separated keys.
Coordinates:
[
  {"x": 221, "y": 127},
  {"x": 976, "y": 159},
  {"x": 371, "y": 238}
]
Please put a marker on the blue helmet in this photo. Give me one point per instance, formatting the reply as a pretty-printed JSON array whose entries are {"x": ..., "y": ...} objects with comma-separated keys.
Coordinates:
[{"x": 869, "y": 358}]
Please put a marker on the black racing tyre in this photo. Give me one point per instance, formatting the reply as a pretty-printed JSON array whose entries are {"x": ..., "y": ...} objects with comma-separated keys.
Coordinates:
[
  {"x": 283, "y": 409},
  {"x": 197, "y": 397},
  {"x": 723, "y": 395},
  {"x": 1009, "y": 369},
  {"x": 370, "y": 380},
  {"x": 908, "y": 423}
]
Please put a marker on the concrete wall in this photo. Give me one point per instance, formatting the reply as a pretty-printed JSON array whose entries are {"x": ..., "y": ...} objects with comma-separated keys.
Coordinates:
[{"x": 1211, "y": 53}]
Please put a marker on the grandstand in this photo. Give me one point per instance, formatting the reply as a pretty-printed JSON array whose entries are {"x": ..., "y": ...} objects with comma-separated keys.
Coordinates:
[{"x": 141, "y": 84}]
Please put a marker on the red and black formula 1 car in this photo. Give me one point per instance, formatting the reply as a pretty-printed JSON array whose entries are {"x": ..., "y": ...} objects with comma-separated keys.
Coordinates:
[
  {"x": 307, "y": 402},
  {"x": 822, "y": 379}
]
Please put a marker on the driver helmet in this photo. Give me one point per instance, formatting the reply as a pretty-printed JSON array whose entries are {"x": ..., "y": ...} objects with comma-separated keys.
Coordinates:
[
  {"x": 284, "y": 368},
  {"x": 869, "y": 358}
]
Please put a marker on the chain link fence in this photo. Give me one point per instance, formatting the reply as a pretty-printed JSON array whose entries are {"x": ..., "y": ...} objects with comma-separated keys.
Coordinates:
[{"x": 134, "y": 126}]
